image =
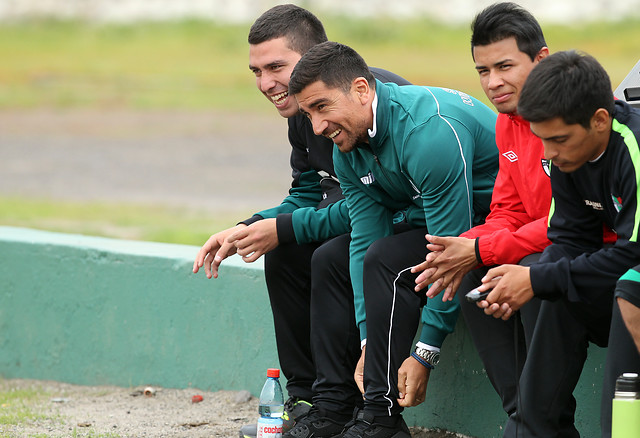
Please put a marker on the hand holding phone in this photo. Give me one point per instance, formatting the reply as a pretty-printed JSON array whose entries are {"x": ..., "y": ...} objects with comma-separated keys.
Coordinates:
[{"x": 474, "y": 295}]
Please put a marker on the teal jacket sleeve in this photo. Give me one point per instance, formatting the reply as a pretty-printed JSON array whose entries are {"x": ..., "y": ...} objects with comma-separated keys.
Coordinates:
[
  {"x": 299, "y": 220},
  {"x": 307, "y": 193},
  {"x": 317, "y": 225}
]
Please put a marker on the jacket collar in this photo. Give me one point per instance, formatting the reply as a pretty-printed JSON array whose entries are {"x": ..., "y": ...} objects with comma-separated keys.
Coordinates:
[
  {"x": 517, "y": 118},
  {"x": 380, "y": 114},
  {"x": 374, "y": 108}
]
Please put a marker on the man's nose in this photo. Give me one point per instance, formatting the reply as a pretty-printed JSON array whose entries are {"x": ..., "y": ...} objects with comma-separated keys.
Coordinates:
[
  {"x": 266, "y": 82},
  {"x": 319, "y": 125},
  {"x": 549, "y": 151},
  {"x": 495, "y": 80}
]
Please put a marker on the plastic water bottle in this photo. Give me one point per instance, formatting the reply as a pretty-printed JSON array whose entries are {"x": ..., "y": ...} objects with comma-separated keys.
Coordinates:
[
  {"x": 626, "y": 407},
  {"x": 271, "y": 406}
]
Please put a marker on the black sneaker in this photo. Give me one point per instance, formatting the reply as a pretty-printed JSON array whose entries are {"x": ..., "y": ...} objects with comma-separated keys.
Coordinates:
[
  {"x": 364, "y": 426},
  {"x": 316, "y": 424},
  {"x": 294, "y": 408}
]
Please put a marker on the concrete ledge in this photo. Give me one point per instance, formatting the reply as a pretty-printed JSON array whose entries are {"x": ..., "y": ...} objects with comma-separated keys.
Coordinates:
[{"x": 91, "y": 310}]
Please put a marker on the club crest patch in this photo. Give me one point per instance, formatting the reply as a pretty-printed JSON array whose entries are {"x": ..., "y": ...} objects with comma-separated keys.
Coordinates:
[
  {"x": 546, "y": 166},
  {"x": 617, "y": 202}
]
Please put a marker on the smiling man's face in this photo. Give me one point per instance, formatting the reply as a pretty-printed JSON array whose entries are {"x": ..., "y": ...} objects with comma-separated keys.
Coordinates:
[
  {"x": 342, "y": 117},
  {"x": 272, "y": 63}
]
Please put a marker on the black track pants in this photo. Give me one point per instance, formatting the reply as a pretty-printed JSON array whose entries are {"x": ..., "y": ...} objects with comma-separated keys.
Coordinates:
[
  {"x": 554, "y": 363},
  {"x": 501, "y": 345},
  {"x": 550, "y": 357},
  {"x": 288, "y": 276},
  {"x": 335, "y": 338},
  {"x": 393, "y": 314}
]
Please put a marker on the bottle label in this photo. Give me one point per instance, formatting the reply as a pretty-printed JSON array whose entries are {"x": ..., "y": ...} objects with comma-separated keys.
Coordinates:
[{"x": 269, "y": 427}]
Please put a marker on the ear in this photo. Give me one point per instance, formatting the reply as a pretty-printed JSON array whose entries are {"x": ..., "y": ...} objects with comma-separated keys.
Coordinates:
[
  {"x": 601, "y": 120},
  {"x": 543, "y": 53},
  {"x": 360, "y": 87}
]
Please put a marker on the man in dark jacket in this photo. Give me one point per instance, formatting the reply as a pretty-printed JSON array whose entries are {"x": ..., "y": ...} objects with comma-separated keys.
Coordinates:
[
  {"x": 314, "y": 211},
  {"x": 427, "y": 152},
  {"x": 592, "y": 142}
]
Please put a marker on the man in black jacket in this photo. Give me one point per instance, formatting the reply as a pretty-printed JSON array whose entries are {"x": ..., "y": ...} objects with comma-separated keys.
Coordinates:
[
  {"x": 592, "y": 142},
  {"x": 313, "y": 212}
]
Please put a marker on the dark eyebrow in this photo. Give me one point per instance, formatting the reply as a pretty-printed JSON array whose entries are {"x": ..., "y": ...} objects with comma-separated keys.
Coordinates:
[
  {"x": 271, "y": 64},
  {"x": 555, "y": 138},
  {"x": 497, "y": 64},
  {"x": 317, "y": 102},
  {"x": 552, "y": 138}
]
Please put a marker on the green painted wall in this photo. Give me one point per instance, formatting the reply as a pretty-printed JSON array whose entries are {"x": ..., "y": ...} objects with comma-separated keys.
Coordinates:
[
  {"x": 90, "y": 310},
  {"x": 95, "y": 311}
]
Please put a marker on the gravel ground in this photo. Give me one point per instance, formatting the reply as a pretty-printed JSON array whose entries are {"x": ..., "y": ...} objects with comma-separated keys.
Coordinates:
[
  {"x": 108, "y": 411},
  {"x": 66, "y": 410},
  {"x": 73, "y": 410}
]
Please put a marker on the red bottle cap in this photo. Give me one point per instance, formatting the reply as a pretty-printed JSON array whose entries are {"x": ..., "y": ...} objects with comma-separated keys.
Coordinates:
[{"x": 273, "y": 372}]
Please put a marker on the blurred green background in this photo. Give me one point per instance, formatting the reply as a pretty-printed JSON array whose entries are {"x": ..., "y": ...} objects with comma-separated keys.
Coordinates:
[{"x": 200, "y": 65}]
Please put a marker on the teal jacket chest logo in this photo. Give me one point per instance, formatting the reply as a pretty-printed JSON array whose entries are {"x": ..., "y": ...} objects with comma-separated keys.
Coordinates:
[{"x": 368, "y": 179}]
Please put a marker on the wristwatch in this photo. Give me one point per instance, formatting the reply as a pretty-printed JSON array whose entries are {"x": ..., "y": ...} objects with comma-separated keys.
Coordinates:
[{"x": 429, "y": 356}]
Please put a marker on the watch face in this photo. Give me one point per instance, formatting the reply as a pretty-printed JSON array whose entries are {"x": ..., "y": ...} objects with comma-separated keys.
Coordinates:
[{"x": 433, "y": 357}]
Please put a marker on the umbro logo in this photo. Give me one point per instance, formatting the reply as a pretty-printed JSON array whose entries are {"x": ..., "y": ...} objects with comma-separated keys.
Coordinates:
[
  {"x": 367, "y": 179},
  {"x": 511, "y": 156}
]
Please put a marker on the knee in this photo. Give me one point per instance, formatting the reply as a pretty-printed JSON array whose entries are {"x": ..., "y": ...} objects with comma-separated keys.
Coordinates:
[
  {"x": 285, "y": 260},
  {"x": 331, "y": 256},
  {"x": 375, "y": 255},
  {"x": 322, "y": 255}
]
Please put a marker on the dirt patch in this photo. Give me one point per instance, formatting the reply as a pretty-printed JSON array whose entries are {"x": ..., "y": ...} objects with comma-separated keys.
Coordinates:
[
  {"x": 64, "y": 410},
  {"x": 73, "y": 410}
]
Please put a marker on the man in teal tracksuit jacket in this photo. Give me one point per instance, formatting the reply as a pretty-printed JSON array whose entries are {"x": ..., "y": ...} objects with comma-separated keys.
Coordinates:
[{"x": 427, "y": 152}]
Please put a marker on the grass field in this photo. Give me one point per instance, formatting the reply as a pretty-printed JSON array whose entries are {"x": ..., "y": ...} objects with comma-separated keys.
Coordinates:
[
  {"x": 125, "y": 221},
  {"x": 196, "y": 64},
  {"x": 17, "y": 406},
  {"x": 201, "y": 65}
]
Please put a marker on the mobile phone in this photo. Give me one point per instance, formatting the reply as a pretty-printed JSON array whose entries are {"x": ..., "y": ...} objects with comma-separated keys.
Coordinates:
[{"x": 475, "y": 295}]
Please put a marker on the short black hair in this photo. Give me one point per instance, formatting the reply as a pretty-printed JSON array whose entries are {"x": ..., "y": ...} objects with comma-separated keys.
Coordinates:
[
  {"x": 335, "y": 64},
  {"x": 505, "y": 20},
  {"x": 570, "y": 85},
  {"x": 300, "y": 27}
]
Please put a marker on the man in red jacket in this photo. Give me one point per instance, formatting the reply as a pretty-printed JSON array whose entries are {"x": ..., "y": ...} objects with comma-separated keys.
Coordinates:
[
  {"x": 505, "y": 51},
  {"x": 507, "y": 44}
]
